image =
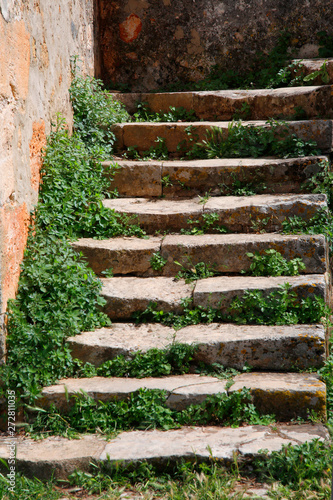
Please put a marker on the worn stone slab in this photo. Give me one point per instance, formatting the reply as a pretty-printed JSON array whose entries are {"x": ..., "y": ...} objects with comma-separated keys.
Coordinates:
[
  {"x": 59, "y": 457},
  {"x": 308, "y": 66},
  {"x": 219, "y": 292},
  {"x": 126, "y": 255},
  {"x": 126, "y": 295},
  {"x": 238, "y": 214},
  {"x": 144, "y": 134},
  {"x": 259, "y": 346},
  {"x": 158, "y": 215},
  {"x": 137, "y": 178},
  {"x": 119, "y": 339},
  {"x": 205, "y": 443},
  {"x": 262, "y": 104},
  {"x": 287, "y": 395},
  {"x": 281, "y": 348},
  {"x": 218, "y": 176},
  {"x": 227, "y": 253},
  {"x": 181, "y": 390},
  {"x": 55, "y": 456},
  {"x": 263, "y": 212}
]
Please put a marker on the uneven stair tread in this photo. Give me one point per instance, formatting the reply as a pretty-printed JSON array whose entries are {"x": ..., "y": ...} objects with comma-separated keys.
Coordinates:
[
  {"x": 225, "y": 253},
  {"x": 188, "y": 178},
  {"x": 236, "y": 213},
  {"x": 309, "y": 66},
  {"x": 284, "y": 394},
  {"x": 224, "y": 104},
  {"x": 219, "y": 292},
  {"x": 59, "y": 457},
  {"x": 142, "y": 135},
  {"x": 262, "y": 347},
  {"x": 126, "y": 295}
]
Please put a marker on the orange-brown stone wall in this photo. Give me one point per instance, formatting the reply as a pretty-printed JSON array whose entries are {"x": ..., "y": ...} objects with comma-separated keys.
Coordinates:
[
  {"x": 147, "y": 44},
  {"x": 37, "y": 39}
]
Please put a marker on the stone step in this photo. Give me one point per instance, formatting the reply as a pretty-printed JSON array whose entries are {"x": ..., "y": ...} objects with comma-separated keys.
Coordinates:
[
  {"x": 308, "y": 66},
  {"x": 127, "y": 295},
  {"x": 254, "y": 214},
  {"x": 280, "y": 348},
  {"x": 286, "y": 395},
  {"x": 186, "y": 179},
  {"x": 225, "y": 253},
  {"x": 256, "y": 104},
  {"x": 59, "y": 457},
  {"x": 143, "y": 135}
]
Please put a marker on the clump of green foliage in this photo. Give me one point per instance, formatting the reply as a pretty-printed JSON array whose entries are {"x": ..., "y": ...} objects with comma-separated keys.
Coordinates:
[
  {"x": 94, "y": 112},
  {"x": 280, "y": 307},
  {"x": 175, "y": 359},
  {"x": 144, "y": 114},
  {"x": 146, "y": 409},
  {"x": 157, "y": 152},
  {"x": 250, "y": 141},
  {"x": 208, "y": 224},
  {"x": 157, "y": 261},
  {"x": 193, "y": 272},
  {"x": 272, "y": 263},
  {"x": 58, "y": 294}
]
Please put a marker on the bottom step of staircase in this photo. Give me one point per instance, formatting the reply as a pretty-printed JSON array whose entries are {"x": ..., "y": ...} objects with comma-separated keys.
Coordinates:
[{"x": 60, "y": 457}]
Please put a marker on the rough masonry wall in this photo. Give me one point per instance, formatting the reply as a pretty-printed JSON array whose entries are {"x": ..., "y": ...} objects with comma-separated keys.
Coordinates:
[
  {"x": 37, "y": 38},
  {"x": 148, "y": 43}
]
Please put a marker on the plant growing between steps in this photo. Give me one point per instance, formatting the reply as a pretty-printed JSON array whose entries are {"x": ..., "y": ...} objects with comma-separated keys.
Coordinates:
[
  {"x": 144, "y": 114},
  {"x": 146, "y": 409},
  {"x": 280, "y": 307},
  {"x": 251, "y": 141}
]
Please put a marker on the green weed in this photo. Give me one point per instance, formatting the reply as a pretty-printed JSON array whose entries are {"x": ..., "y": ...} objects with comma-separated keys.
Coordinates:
[
  {"x": 207, "y": 225},
  {"x": 157, "y": 261},
  {"x": 175, "y": 359},
  {"x": 251, "y": 141},
  {"x": 144, "y": 114},
  {"x": 145, "y": 409},
  {"x": 94, "y": 112},
  {"x": 272, "y": 263}
]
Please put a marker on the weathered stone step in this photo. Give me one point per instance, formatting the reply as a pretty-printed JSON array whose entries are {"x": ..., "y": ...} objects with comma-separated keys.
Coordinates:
[
  {"x": 219, "y": 292},
  {"x": 237, "y": 214},
  {"x": 256, "y": 104},
  {"x": 143, "y": 135},
  {"x": 126, "y": 295},
  {"x": 287, "y": 395},
  {"x": 59, "y": 457},
  {"x": 186, "y": 179},
  {"x": 308, "y": 66},
  {"x": 225, "y": 253},
  {"x": 281, "y": 348}
]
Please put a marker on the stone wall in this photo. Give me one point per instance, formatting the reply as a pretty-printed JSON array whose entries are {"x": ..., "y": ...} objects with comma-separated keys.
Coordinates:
[
  {"x": 37, "y": 38},
  {"x": 149, "y": 43}
]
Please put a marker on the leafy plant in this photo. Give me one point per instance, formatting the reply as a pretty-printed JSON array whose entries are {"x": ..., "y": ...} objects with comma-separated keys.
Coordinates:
[
  {"x": 94, "y": 112},
  {"x": 252, "y": 141},
  {"x": 192, "y": 272},
  {"x": 272, "y": 263},
  {"x": 207, "y": 225},
  {"x": 157, "y": 261},
  {"x": 144, "y": 114},
  {"x": 145, "y": 409},
  {"x": 175, "y": 359},
  {"x": 58, "y": 296},
  {"x": 306, "y": 463}
]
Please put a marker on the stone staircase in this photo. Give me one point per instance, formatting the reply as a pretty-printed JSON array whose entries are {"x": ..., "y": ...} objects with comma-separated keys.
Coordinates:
[{"x": 276, "y": 353}]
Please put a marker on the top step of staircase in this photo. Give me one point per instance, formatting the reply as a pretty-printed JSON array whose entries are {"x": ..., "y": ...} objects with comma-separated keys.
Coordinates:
[{"x": 256, "y": 104}]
